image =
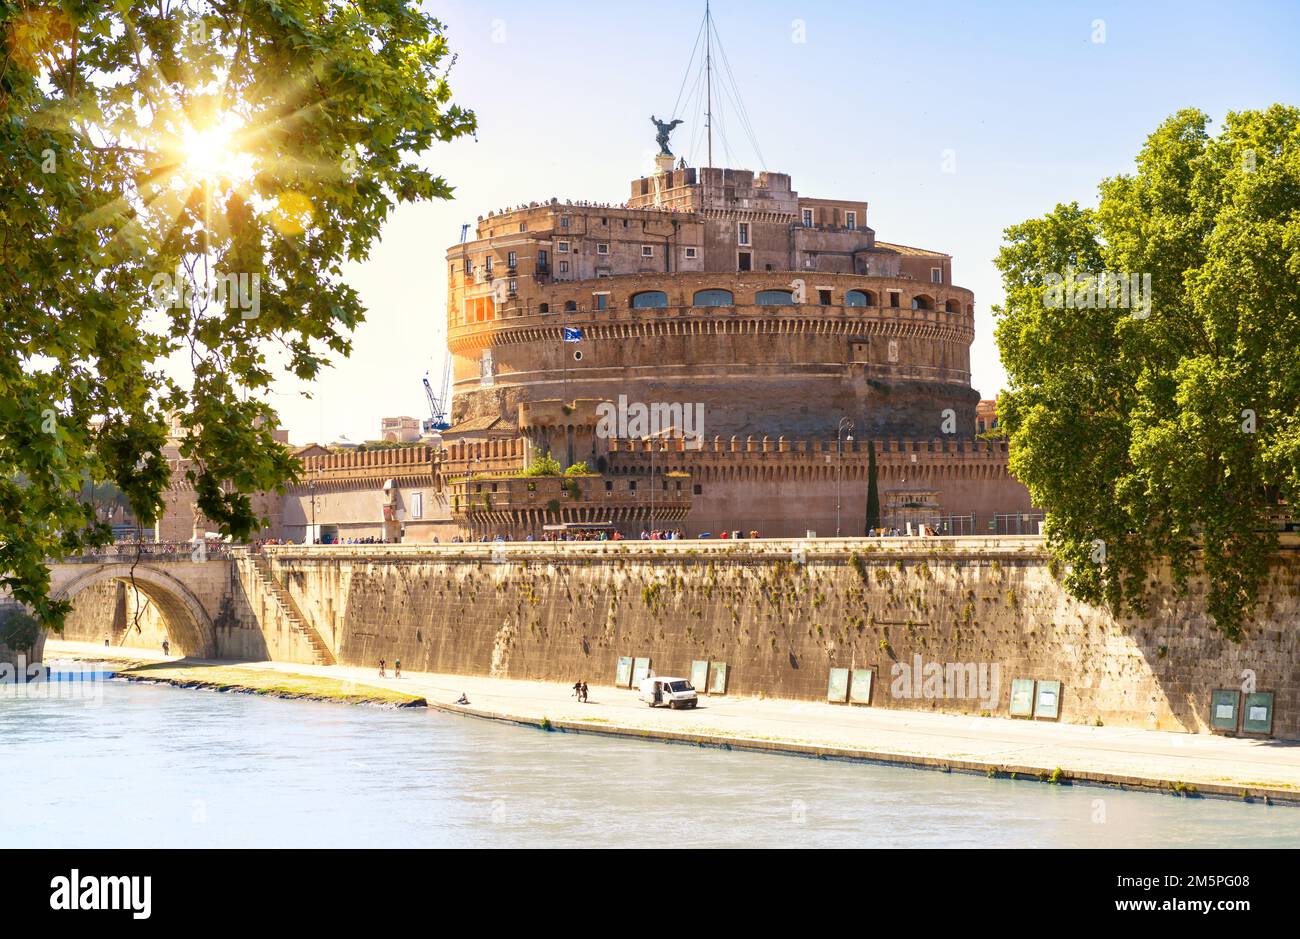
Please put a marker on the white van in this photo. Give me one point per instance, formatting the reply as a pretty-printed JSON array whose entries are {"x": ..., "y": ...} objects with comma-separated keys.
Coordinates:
[{"x": 674, "y": 692}]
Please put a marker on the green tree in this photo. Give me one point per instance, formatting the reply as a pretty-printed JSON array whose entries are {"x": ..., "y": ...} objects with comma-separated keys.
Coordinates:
[
  {"x": 1167, "y": 433},
  {"x": 183, "y": 184},
  {"x": 19, "y": 630},
  {"x": 873, "y": 490}
]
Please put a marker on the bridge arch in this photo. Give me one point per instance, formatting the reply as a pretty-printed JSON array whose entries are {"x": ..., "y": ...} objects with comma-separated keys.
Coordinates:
[{"x": 188, "y": 624}]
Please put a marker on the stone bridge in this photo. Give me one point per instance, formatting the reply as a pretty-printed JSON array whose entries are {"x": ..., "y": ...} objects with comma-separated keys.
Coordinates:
[
  {"x": 218, "y": 602},
  {"x": 189, "y": 595}
]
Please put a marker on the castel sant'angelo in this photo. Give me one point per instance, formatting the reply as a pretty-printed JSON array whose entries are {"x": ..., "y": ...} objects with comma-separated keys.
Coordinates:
[
  {"x": 752, "y": 343},
  {"x": 717, "y": 354}
]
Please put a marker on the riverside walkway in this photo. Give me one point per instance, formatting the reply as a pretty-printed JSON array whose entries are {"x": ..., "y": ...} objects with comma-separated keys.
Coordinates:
[{"x": 1177, "y": 763}]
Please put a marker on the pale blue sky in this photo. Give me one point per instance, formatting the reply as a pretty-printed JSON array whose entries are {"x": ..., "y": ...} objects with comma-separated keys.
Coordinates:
[{"x": 1033, "y": 109}]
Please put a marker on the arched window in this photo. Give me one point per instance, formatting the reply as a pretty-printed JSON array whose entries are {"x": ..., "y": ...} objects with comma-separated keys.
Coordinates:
[
  {"x": 713, "y": 298},
  {"x": 649, "y": 300},
  {"x": 922, "y": 302},
  {"x": 774, "y": 298},
  {"x": 570, "y": 306},
  {"x": 952, "y": 306},
  {"x": 859, "y": 298}
]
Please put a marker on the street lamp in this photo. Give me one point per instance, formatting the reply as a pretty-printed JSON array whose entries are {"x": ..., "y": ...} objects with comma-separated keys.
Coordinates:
[
  {"x": 843, "y": 432},
  {"x": 650, "y": 441},
  {"x": 311, "y": 487}
]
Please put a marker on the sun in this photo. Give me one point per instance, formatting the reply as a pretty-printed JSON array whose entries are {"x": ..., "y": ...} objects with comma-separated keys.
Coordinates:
[{"x": 212, "y": 153}]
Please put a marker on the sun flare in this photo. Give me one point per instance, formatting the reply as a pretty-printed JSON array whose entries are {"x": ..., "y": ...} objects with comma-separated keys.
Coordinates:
[{"x": 212, "y": 153}]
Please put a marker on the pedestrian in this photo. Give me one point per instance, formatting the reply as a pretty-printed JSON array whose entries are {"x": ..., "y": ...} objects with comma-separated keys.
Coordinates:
[
  {"x": 584, "y": 692},
  {"x": 167, "y": 647},
  {"x": 397, "y": 668},
  {"x": 381, "y": 669},
  {"x": 577, "y": 689}
]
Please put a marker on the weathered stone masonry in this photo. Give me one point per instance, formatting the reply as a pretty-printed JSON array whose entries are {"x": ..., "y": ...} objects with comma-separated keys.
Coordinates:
[{"x": 563, "y": 612}]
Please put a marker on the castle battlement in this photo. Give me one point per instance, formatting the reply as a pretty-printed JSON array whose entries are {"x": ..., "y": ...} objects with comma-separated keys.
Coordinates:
[{"x": 993, "y": 449}]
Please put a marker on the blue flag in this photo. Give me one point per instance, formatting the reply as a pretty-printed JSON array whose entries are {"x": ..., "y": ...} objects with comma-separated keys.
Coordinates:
[{"x": 572, "y": 334}]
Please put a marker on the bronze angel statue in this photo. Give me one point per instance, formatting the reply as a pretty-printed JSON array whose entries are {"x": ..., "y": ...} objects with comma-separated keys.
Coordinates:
[{"x": 664, "y": 130}]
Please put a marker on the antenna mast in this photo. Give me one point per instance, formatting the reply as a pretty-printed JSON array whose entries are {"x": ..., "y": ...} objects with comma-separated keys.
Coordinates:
[{"x": 708, "y": 67}]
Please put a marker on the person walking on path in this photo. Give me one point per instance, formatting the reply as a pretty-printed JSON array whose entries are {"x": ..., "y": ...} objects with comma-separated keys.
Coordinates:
[
  {"x": 167, "y": 647},
  {"x": 381, "y": 669},
  {"x": 397, "y": 668},
  {"x": 577, "y": 689},
  {"x": 583, "y": 695}
]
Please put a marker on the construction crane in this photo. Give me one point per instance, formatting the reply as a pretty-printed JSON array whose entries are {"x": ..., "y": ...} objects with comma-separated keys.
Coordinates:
[{"x": 437, "y": 412}]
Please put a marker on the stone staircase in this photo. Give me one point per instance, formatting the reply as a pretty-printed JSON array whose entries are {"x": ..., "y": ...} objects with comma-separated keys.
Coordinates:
[{"x": 291, "y": 613}]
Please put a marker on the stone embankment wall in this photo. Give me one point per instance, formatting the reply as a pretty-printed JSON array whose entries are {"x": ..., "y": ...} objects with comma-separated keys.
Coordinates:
[{"x": 782, "y": 614}]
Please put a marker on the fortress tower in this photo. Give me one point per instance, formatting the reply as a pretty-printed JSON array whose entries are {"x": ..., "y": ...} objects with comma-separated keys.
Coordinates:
[{"x": 779, "y": 313}]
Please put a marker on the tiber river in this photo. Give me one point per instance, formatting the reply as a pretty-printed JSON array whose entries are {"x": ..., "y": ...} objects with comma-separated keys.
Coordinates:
[{"x": 156, "y": 766}]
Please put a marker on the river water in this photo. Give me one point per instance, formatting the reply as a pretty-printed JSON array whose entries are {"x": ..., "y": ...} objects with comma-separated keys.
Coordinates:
[{"x": 154, "y": 766}]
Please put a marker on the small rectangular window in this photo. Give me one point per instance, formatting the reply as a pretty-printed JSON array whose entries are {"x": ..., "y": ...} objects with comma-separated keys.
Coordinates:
[
  {"x": 417, "y": 505},
  {"x": 523, "y": 226},
  {"x": 602, "y": 301},
  {"x": 894, "y": 297},
  {"x": 512, "y": 259},
  {"x": 936, "y": 275},
  {"x": 602, "y": 248},
  {"x": 564, "y": 221},
  {"x": 742, "y": 233},
  {"x": 647, "y": 251},
  {"x": 692, "y": 253},
  {"x": 808, "y": 218},
  {"x": 564, "y": 267},
  {"x": 824, "y": 297},
  {"x": 744, "y": 261},
  {"x": 562, "y": 247},
  {"x": 851, "y": 221}
]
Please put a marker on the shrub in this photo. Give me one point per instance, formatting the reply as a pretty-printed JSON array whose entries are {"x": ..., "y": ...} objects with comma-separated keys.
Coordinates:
[{"x": 544, "y": 465}]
